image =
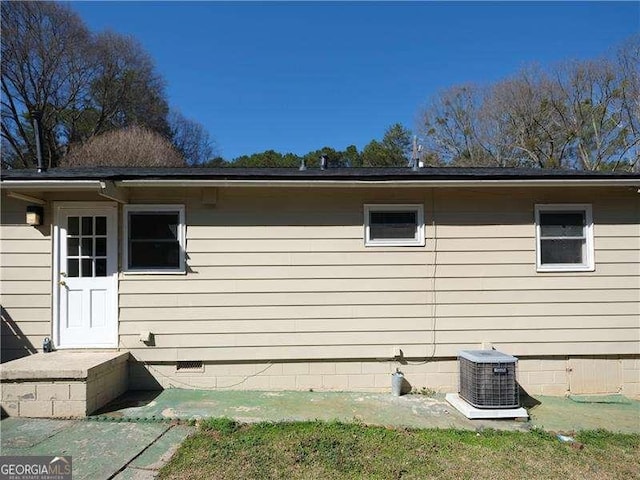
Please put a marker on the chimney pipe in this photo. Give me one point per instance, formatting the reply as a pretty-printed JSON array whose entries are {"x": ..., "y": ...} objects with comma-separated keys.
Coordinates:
[
  {"x": 303, "y": 166},
  {"x": 323, "y": 162},
  {"x": 36, "y": 115},
  {"x": 415, "y": 163}
]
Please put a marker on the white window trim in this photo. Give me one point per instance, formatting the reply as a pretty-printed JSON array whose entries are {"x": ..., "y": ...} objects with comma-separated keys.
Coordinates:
[
  {"x": 588, "y": 265},
  {"x": 419, "y": 241},
  {"x": 127, "y": 209}
]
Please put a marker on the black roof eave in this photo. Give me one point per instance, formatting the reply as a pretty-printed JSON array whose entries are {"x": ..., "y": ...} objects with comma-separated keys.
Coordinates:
[{"x": 267, "y": 175}]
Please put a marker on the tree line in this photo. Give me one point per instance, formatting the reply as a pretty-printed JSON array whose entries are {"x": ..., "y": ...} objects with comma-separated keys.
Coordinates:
[
  {"x": 392, "y": 151},
  {"x": 581, "y": 115},
  {"x": 102, "y": 102}
]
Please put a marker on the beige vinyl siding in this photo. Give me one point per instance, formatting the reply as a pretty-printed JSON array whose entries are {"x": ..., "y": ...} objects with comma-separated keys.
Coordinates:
[
  {"x": 283, "y": 274},
  {"x": 25, "y": 281}
]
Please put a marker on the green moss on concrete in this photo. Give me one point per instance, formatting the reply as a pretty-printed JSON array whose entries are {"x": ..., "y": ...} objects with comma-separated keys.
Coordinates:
[
  {"x": 563, "y": 414},
  {"x": 252, "y": 407},
  {"x": 600, "y": 399},
  {"x": 98, "y": 451},
  {"x": 418, "y": 411}
]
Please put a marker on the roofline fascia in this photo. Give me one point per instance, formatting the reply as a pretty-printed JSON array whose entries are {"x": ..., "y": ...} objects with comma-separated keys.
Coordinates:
[
  {"x": 85, "y": 185},
  {"x": 380, "y": 183},
  {"x": 90, "y": 185}
]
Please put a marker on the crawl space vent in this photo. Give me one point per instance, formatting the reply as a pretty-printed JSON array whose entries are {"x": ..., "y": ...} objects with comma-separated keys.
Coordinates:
[
  {"x": 189, "y": 366},
  {"x": 488, "y": 379}
]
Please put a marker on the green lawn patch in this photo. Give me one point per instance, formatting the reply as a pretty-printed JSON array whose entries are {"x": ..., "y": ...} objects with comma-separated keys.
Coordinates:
[{"x": 224, "y": 449}]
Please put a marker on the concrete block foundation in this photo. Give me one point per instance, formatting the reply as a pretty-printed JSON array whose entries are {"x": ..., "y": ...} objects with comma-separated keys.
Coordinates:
[
  {"x": 62, "y": 384},
  {"x": 552, "y": 376}
]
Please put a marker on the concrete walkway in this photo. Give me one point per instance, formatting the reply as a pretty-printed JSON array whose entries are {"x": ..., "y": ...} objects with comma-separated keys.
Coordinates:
[
  {"x": 417, "y": 411},
  {"x": 99, "y": 450}
]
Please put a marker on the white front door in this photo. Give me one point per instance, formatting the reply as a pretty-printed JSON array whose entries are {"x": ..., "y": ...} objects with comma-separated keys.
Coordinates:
[{"x": 86, "y": 275}]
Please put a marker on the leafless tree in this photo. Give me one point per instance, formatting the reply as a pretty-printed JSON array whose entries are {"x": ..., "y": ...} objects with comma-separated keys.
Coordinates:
[
  {"x": 124, "y": 90},
  {"x": 83, "y": 84},
  {"x": 596, "y": 113},
  {"x": 628, "y": 67},
  {"x": 44, "y": 69},
  {"x": 450, "y": 127},
  {"x": 127, "y": 147},
  {"x": 580, "y": 114},
  {"x": 191, "y": 139},
  {"x": 526, "y": 123}
]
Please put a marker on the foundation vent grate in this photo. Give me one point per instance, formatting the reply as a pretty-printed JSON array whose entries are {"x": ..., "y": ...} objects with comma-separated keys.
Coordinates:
[{"x": 189, "y": 366}]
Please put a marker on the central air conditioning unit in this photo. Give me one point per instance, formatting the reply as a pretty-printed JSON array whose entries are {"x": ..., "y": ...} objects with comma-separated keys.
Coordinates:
[{"x": 488, "y": 379}]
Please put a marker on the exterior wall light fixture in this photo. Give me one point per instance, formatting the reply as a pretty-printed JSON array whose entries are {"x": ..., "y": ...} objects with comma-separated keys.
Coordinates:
[{"x": 35, "y": 214}]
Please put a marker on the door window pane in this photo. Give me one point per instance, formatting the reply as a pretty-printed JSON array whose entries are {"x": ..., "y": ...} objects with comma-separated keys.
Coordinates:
[
  {"x": 101, "y": 267},
  {"x": 87, "y": 225},
  {"x": 73, "y": 226},
  {"x": 101, "y": 225},
  {"x": 73, "y": 269},
  {"x": 87, "y": 270},
  {"x": 73, "y": 245},
  {"x": 101, "y": 247},
  {"x": 87, "y": 247}
]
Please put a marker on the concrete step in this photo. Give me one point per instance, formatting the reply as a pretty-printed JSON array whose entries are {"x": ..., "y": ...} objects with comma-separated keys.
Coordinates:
[{"x": 62, "y": 384}]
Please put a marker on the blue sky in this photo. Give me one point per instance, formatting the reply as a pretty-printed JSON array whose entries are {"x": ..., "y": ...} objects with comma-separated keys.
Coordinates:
[{"x": 295, "y": 77}]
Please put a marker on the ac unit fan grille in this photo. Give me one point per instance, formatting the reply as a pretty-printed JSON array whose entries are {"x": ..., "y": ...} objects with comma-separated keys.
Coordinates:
[{"x": 489, "y": 385}]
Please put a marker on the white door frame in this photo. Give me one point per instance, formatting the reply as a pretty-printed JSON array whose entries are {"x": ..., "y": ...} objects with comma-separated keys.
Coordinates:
[{"x": 57, "y": 207}]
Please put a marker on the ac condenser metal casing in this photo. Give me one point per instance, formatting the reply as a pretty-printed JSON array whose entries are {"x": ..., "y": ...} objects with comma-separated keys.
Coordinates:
[{"x": 488, "y": 379}]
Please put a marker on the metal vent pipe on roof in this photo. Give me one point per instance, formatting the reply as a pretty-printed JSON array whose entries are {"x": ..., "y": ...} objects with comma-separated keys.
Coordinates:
[
  {"x": 37, "y": 129},
  {"x": 415, "y": 154},
  {"x": 323, "y": 162}
]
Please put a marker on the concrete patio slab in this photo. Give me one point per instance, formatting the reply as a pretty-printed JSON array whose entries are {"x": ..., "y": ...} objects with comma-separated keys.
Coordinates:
[
  {"x": 131, "y": 438},
  {"x": 146, "y": 466},
  {"x": 561, "y": 414},
  {"x": 16, "y": 434},
  {"x": 100, "y": 450},
  {"x": 414, "y": 411}
]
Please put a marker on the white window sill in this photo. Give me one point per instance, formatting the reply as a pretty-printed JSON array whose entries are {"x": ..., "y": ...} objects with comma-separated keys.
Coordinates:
[
  {"x": 153, "y": 272},
  {"x": 395, "y": 244},
  {"x": 565, "y": 268}
]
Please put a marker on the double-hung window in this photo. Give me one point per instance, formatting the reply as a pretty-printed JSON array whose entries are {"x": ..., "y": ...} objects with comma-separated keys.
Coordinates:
[
  {"x": 564, "y": 237},
  {"x": 394, "y": 225},
  {"x": 154, "y": 239}
]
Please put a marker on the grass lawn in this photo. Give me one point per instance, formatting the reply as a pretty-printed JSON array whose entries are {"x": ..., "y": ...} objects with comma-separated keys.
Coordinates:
[{"x": 223, "y": 449}]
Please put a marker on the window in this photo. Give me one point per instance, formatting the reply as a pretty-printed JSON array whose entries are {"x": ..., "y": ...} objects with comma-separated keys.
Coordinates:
[
  {"x": 86, "y": 246},
  {"x": 154, "y": 239},
  {"x": 564, "y": 236},
  {"x": 394, "y": 225}
]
